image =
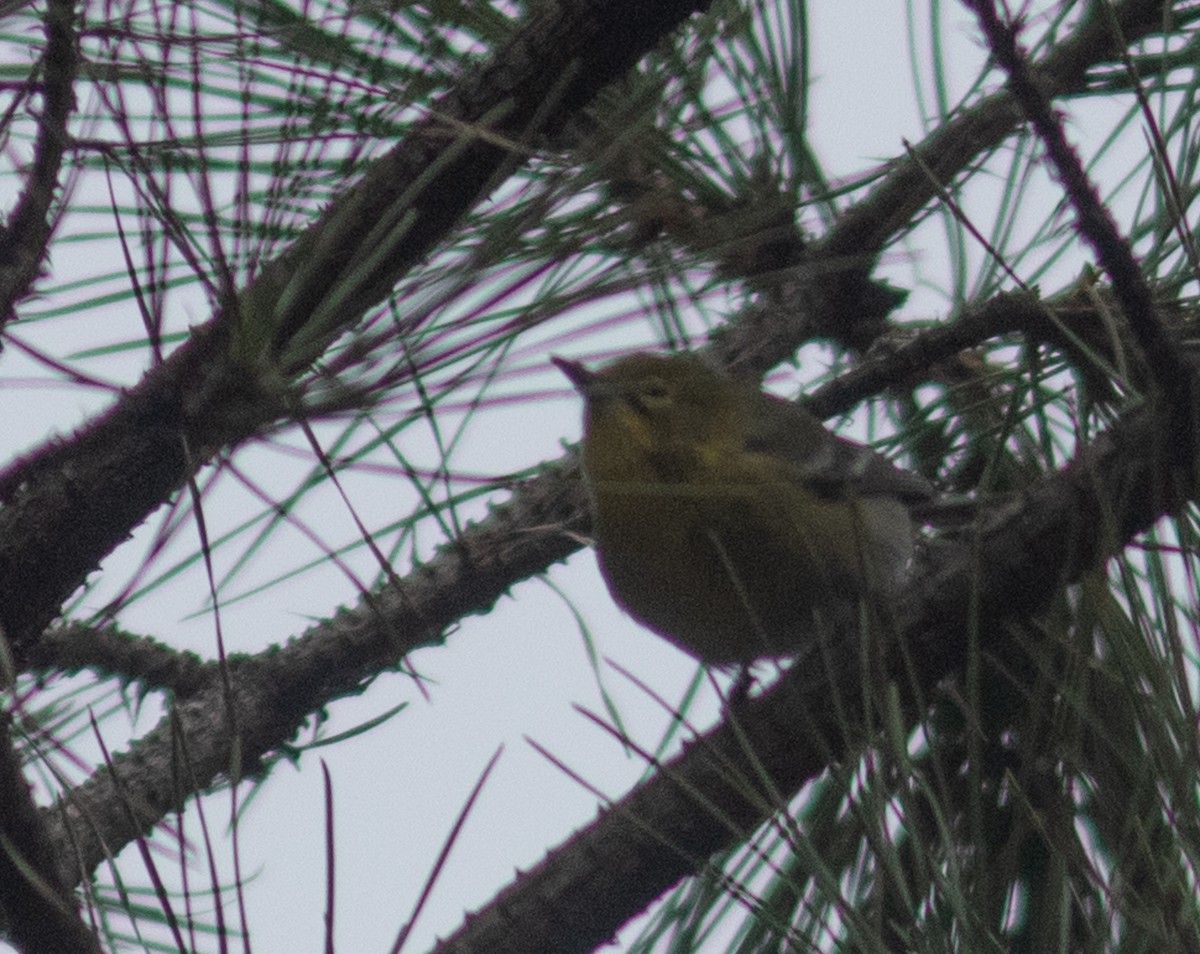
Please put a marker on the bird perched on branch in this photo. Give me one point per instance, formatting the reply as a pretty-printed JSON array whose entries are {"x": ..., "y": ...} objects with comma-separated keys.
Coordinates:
[{"x": 727, "y": 520}]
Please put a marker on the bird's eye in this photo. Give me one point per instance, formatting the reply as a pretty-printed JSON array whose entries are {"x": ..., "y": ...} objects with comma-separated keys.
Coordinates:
[
  {"x": 655, "y": 390},
  {"x": 651, "y": 395}
]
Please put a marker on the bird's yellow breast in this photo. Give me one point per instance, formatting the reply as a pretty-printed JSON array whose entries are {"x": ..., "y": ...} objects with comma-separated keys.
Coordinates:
[
  {"x": 726, "y": 558},
  {"x": 725, "y": 519}
]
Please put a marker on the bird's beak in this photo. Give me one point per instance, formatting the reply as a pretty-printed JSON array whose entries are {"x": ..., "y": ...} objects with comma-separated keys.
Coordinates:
[{"x": 576, "y": 373}]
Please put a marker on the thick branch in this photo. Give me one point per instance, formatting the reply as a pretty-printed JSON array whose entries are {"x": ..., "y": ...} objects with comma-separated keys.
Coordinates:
[
  {"x": 24, "y": 241},
  {"x": 270, "y": 695},
  {"x": 42, "y": 914},
  {"x": 467, "y": 143},
  {"x": 66, "y": 508},
  {"x": 111, "y": 653}
]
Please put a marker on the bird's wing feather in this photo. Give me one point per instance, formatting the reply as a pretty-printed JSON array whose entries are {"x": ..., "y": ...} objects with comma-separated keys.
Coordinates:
[{"x": 830, "y": 465}]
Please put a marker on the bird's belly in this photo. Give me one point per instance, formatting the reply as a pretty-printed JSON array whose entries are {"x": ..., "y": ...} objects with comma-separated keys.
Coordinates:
[{"x": 726, "y": 589}]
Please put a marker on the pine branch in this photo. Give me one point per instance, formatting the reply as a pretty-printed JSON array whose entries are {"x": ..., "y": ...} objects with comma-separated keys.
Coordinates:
[
  {"x": 731, "y": 780},
  {"x": 25, "y": 238}
]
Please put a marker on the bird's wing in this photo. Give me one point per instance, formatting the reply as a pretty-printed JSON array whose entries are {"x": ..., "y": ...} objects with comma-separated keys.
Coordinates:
[{"x": 832, "y": 466}]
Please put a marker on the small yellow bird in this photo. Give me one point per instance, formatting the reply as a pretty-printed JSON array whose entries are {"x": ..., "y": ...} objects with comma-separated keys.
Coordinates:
[{"x": 727, "y": 520}]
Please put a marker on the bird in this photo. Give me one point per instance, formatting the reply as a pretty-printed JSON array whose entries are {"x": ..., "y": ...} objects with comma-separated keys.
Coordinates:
[{"x": 727, "y": 520}]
